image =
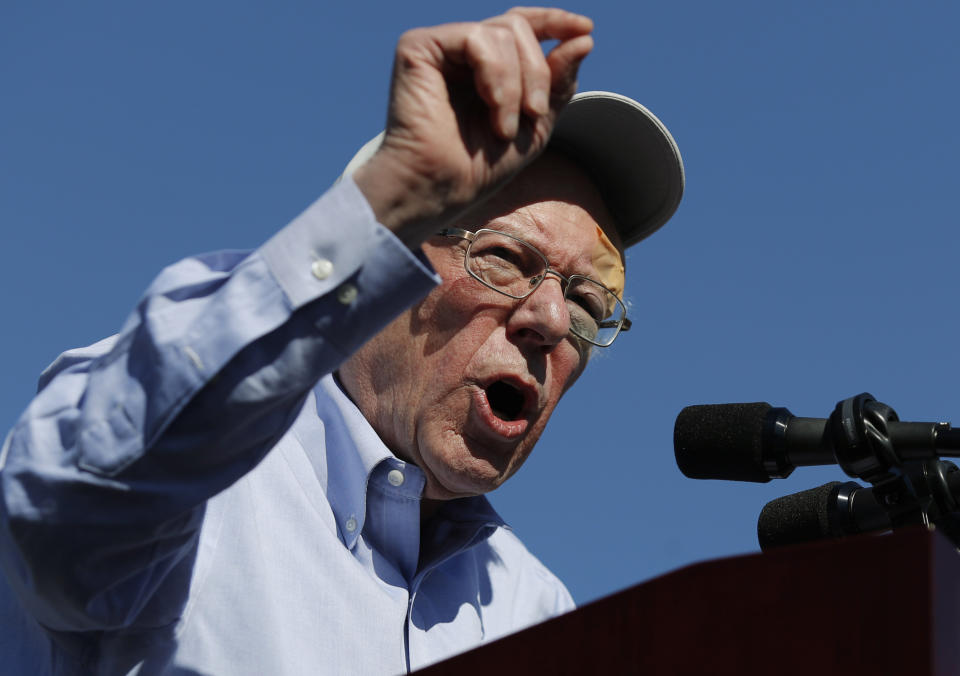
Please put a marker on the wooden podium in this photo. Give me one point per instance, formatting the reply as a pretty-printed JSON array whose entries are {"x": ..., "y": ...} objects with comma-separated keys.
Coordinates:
[{"x": 865, "y": 605}]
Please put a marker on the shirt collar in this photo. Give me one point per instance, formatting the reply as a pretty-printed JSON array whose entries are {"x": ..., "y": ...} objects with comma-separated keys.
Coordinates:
[{"x": 353, "y": 452}]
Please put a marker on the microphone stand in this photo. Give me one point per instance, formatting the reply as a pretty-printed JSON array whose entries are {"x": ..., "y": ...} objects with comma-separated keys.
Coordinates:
[
  {"x": 906, "y": 490},
  {"x": 925, "y": 494}
]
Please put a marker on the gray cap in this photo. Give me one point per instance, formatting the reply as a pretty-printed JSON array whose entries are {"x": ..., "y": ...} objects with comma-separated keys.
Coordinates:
[
  {"x": 624, "y": 148},
  {"x": 630, "y": 155}
]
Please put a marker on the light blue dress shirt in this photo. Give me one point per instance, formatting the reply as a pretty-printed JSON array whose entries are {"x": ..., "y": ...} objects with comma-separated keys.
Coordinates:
[{"x": 196, "y": 495}]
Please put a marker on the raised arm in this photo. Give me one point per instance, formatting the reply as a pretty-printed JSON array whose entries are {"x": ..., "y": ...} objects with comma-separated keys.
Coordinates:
[{"x": 103, "y": 481}]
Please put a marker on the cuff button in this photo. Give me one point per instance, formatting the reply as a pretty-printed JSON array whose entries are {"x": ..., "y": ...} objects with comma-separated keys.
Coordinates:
[
  {"x": 321, "y": 268},
  {"x": 347, "y": 293}
]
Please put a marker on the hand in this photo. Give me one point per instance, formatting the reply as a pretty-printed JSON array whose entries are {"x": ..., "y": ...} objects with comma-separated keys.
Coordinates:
[{"x": 470, "y": 105}]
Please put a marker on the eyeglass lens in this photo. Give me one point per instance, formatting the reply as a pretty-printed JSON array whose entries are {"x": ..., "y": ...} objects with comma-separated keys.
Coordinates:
[{"x": 515, "y": 268}]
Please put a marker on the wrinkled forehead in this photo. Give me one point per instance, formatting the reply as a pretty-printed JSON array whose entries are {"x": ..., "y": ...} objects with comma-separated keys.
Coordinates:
[{"x": 555, "y": 205}]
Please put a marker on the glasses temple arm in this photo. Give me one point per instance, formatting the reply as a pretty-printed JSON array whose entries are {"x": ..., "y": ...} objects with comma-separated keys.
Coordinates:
[{"x": 625, "y": 326}]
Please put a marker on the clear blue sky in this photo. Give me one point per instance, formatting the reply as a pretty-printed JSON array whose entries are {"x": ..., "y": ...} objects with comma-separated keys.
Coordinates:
[{"x": 812, "y": 258}]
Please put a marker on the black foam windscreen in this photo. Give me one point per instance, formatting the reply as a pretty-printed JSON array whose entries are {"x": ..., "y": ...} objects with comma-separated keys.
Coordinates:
[
  {"x": 721, "y": 441},
  {"x": 801, "y": 517}
]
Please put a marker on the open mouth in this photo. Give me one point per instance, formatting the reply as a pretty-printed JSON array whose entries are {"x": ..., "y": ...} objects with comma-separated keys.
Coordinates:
[{"x": 506, "y": 400}]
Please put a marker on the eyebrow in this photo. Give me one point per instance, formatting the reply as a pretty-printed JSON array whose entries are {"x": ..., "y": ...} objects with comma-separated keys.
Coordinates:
[{"x": 504, "y": 226}]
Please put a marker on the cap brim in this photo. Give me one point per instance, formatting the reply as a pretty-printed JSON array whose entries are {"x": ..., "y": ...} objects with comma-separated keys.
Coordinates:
[{"x": 630, "y": 155}]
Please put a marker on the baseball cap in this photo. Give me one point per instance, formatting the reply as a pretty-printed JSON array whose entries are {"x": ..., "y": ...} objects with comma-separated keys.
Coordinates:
[{"x": 624, "y": 148}]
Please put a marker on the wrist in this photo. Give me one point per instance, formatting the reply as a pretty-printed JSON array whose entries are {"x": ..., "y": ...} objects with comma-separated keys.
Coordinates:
[{"x": 413, "y": 202}]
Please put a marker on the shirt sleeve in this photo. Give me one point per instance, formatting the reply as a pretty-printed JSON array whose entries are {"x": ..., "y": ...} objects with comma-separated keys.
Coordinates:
[{"x": 104, "y": 477}]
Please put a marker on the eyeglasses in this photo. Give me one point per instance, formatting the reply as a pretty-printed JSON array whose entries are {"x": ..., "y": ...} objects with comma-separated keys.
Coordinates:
[{"x": 513, "y": 267}]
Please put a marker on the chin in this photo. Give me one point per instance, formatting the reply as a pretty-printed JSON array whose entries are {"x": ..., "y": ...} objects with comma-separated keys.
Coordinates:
[
  {"x": 462, "y": 469},
  {"x": 448, "y": 483}
]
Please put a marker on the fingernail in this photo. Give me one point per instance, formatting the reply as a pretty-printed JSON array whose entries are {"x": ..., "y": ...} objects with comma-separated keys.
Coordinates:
[
  {"x": 538, "y": 101},
  {"x": 511, "y": 123}
]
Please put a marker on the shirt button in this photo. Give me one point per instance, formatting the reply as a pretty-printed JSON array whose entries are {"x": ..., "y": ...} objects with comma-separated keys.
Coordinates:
[
  {"x": 321, "y": 268},
  {"x": 395, "y": 477},
  {"x": 347, "y": 293},
  {"x": 351, "y": 524}
]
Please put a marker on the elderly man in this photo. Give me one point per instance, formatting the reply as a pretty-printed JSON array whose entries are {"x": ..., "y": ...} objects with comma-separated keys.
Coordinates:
[{"x": 278, "y": 465}]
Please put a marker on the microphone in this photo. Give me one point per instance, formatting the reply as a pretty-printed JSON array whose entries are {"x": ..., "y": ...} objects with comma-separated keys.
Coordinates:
[
  {"x": 832, "y": 510},
  {"x": 757, "y": 442},
  {"x": 926, "y": 493}
]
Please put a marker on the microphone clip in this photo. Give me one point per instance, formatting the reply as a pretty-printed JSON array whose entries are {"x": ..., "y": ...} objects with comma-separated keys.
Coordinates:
[{"x": 861, "y": 440}]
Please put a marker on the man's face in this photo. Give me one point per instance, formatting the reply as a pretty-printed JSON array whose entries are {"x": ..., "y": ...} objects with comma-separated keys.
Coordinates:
[{"x": 463, "y": 383}]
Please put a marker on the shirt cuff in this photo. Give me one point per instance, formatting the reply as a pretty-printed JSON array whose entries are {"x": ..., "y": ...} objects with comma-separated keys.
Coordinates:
[{"x": 329, "y": 242}]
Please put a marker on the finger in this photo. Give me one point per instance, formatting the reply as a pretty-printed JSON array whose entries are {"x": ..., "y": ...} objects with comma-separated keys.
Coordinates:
[
  {"x": 554, "y": 24},
  {"x": 564, "y": 61},
  {"x": 535, "y": 74},
  {"x": 491, "y": 52}
]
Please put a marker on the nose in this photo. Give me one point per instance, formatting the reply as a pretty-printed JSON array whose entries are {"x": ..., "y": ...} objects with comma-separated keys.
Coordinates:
[{"x": 541, "y": 319}]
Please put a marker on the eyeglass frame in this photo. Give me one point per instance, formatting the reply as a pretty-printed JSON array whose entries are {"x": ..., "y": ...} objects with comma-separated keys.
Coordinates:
[{"x": 470, "y": 236}]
